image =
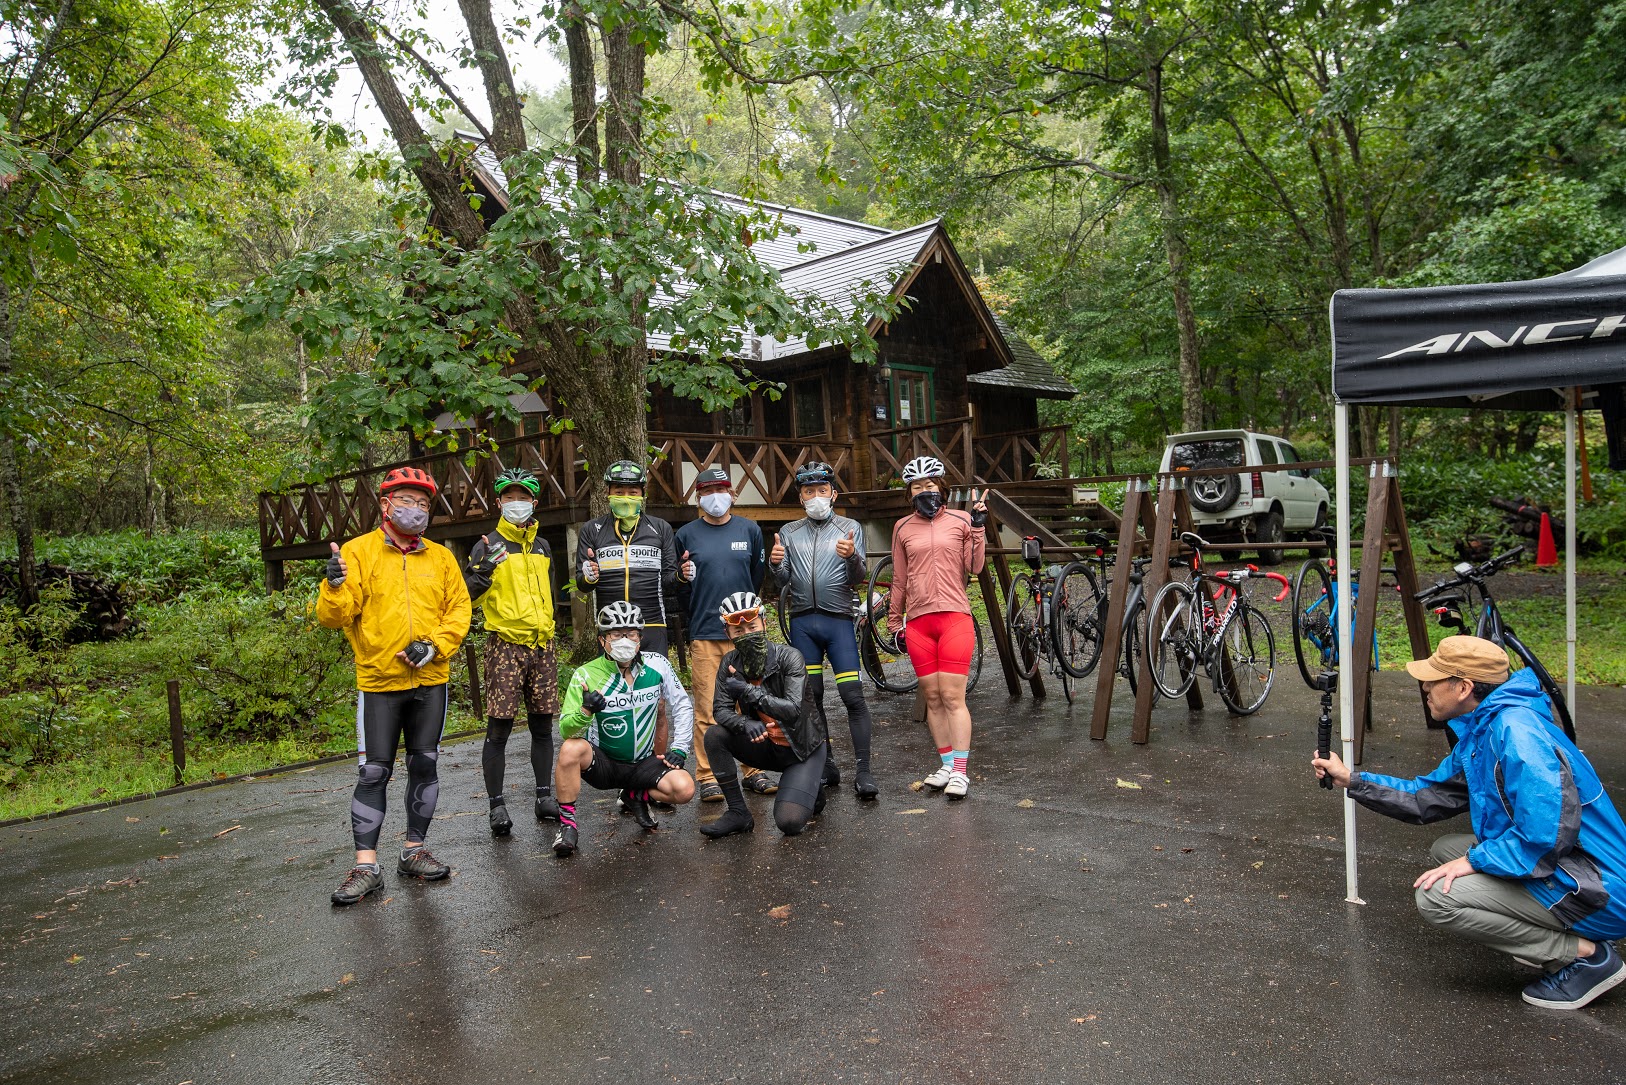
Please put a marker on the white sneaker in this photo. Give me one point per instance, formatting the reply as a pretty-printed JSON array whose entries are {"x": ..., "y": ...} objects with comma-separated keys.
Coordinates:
[
  {"x": 939, "y": 779},
  {"x": 958, "y": 784}
]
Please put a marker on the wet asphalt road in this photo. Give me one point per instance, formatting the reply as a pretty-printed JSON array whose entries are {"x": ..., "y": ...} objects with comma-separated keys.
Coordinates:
[{"x": 1192, "y": 929}]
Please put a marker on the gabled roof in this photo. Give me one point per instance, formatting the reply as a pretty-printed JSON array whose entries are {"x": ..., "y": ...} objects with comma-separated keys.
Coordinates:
[{"x": 842, "y": 256}]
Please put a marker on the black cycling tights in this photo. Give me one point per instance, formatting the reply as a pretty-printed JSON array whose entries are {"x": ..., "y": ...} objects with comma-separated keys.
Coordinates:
[
  {"x": 493, "y": 753},
  {"x": 381, "y": 720},
  {"x": 801, "y": 783},
  {"x": 858, "y": 718}
]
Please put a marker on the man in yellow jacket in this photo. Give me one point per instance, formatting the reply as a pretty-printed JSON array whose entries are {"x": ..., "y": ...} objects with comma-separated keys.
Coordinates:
[
  {"x": 402, "y": 604},
  {"x": 510, "y": 576}
]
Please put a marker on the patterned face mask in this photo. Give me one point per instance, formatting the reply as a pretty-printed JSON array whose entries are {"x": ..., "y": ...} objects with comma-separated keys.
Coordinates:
[
  {"x": 928, "y": 502},
  {"x": 626, "y": 509},
  {"x": 753, "y": 650}
]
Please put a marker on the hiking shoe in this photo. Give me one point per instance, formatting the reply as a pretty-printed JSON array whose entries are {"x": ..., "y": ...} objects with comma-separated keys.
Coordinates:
[
  {"x": 547, "y": 808},
  {"x": 760, "y": 784},
  {"x": 958, "y": 784},
  {"x": 501, "y": 823},
  {"x": 1578, "y": 983},
  {"x": 732, "y": 821},
  {"x": 939, "y": 779},
  {"x": 864, "y": 785},
  {"x": 710, "y": 792},
  {"x": 418, "y": 863},
  {"x": 357, "y": 884}
]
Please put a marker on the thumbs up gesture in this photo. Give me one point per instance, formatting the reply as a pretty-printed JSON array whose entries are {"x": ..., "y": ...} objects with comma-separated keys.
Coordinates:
[
  {"x": 845, "y": 547},
  {"x": 336, "y": 568},
  {"x": 776, "y": 556},
  {"x": 686, "y": 567},
  {"x": 590, "y": 567}
]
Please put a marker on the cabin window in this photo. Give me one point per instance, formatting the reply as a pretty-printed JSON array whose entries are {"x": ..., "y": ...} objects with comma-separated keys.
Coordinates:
[
  {"x": 737, "y": 418},
  {"x": 808, "y": 396}
]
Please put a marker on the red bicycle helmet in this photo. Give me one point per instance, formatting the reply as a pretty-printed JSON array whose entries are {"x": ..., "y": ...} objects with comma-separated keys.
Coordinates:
[{"x": 404, "y": 477}]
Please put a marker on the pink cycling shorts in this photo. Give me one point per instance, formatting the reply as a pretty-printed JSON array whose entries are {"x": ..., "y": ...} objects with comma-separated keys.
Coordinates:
[{"x": 941, "y": 641}]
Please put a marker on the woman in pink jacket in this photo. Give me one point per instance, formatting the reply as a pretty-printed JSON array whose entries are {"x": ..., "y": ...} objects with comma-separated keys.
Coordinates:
[{"x": 934, "y": 551}]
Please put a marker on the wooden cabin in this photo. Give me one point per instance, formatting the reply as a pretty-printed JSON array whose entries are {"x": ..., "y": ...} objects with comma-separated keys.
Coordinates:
[{"x": 951, "y": 380}]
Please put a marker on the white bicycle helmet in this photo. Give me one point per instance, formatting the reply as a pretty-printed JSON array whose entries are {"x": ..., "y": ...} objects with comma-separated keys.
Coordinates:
[
  {"x": 922, "y": 467},
  {"x": 620, "y": 615},
  {"x": 739, "y": 603}
]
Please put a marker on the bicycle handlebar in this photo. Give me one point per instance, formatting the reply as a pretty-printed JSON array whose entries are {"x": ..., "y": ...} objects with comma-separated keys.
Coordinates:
[
  {"x": 1254, "y": 574},
  {"x": 1474, "y": 574}
]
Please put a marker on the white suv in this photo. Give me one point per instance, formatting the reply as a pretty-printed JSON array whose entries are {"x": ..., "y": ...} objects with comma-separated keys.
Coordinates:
[{"x": 1264, "y": 505}]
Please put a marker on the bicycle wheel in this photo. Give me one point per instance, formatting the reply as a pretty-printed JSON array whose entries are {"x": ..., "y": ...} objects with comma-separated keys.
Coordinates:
[
  {"x": 882, "y": 656},
  {"x": 976, "y": 658},
  {"x": 784, "y": 617},
  {"x": 1134, "y": 646},
  {"x": 1179, "y": 641},
  {"x": 1066, "y": 681},
  {"x": 1250, "y": 647},
  {"x": 1023, "y": 621},
  {"x": 1075, "y": 628},
  {"x": 1315, "y": 641}
]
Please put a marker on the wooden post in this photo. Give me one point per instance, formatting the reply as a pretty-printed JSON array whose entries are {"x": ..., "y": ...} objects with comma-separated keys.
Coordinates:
[
  {"x": 276, "y": 577},
  {"x": 1106, "y": 668},
  {"x": 1002, "y": 567},
  {"x": 1156, "y": 575},
  {"x": 996, "y": 617},
  {"x": 177, "y": 733}
]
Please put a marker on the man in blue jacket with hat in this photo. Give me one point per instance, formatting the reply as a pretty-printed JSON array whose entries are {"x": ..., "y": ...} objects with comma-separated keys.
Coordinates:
[{"x": 1543, "y": 876}]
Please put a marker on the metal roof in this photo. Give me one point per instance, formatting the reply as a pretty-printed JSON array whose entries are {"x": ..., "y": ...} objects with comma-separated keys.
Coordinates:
[{"x": 843, "y": 255}]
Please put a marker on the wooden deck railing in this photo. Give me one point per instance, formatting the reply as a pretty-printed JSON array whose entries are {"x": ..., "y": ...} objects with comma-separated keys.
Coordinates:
[
  {"x": 1014, "y": 457},
  {"x": 948, "y": 440},
  {"x": 763, "y": 468}
]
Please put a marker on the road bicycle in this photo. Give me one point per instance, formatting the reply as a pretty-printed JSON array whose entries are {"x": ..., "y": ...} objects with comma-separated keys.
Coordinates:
[
  {"x": 1225, "y": 635},
  {"x": 1315, "y": 615},
  {"x": 1053, "y": 613},
  {"x": 881, "y": 649},
  {"x": 1464, "y": 600}
]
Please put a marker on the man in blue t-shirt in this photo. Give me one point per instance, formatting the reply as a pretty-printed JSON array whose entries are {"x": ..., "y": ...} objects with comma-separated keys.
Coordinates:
[{"x": 719, "y": 554}]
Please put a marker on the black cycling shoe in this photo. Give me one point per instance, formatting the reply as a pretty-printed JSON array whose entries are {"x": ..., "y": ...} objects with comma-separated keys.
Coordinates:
[
  {"x": 663, "y": 807},
  {"x": 732, "y": 821},
  {"x": 832, "y": 773},
  {"x": 357, "y": 884},
  {"x": 547, "y": 808},
  {"x": 640, "y": 814},
  {"x": 501, "y": 823},
  {"x": 564, "y": 845},
  {"x": 865, "y": 786}
]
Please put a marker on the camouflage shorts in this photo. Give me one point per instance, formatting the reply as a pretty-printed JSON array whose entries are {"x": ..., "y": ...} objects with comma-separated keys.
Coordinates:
[{"x": 515, "y": 672}]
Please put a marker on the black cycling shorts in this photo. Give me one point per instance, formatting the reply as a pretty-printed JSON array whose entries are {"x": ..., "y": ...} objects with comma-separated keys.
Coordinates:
[{"x": 608, "y": 774}]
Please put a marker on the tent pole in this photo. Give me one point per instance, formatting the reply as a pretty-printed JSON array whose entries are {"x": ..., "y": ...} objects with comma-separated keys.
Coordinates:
[
  {"x": 1571, "y": 555},
  {"x": 1346, "y": 643}
]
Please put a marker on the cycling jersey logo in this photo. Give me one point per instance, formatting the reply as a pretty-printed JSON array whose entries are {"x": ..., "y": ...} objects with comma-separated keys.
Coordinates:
[{"x": 615, "y": 726}]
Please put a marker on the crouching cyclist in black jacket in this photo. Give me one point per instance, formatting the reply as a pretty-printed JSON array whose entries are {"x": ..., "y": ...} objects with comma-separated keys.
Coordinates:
[{"x": 765, "y": 721}]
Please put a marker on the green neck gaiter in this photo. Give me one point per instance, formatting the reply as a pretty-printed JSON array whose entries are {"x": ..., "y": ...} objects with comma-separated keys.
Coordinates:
[{"x": 626, "y": 511}]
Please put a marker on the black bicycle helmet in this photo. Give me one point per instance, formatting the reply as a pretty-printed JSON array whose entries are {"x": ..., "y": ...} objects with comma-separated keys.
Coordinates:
[
  {"x": 811, "y": 474},
  {"x": 624, "y": 473}
]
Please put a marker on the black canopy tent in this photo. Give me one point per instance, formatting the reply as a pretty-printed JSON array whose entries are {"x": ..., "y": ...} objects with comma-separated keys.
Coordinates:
[{"x": 1511, "y": 346}]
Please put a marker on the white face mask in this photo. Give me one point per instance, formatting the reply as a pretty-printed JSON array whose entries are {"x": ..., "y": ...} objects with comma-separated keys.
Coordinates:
[
  {"x": 818, "y": 508},
  {"x": 623, "y": 650},
  {"x": 518, "y": 512},
  {"x": 716, "y": 504}
]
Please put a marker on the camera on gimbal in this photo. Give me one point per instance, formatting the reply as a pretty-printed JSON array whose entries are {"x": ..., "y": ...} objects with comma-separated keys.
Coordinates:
[{"x": 1325, "y": 682}]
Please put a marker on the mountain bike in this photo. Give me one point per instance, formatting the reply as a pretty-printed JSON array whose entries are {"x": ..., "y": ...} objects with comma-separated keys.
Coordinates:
[
  {"x": 1052, "y": 612},
  {"x": 1464, "y": 600},
  {"x": 1225, "y": 632},
  {"x": 881, "y": 648}
]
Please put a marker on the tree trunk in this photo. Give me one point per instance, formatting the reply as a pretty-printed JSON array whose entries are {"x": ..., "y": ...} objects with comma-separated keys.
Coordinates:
[
  {"x": 1174, "y": 243},
  {"x": 11, "y": 476}
]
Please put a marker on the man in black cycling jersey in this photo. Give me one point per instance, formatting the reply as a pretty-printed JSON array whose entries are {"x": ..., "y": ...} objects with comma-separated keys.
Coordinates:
[
  {"x": 763, "y": 719},
  {"x": 631, "y": 556},
  {"x": 818, "y": 562}
]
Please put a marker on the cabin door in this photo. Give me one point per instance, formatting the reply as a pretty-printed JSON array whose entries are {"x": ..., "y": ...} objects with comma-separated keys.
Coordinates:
[{"x": 912, "y": 399}]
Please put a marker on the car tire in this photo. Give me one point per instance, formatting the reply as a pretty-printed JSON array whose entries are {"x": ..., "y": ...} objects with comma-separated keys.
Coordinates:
[
  {"x": 1269, "y": 530},
  {"x": 1212, "y": 493}
]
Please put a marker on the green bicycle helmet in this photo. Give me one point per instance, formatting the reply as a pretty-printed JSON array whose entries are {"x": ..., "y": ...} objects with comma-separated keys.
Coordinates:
[
  {"x": 624, "y": 473},
  {"x": 518, "y": 476}
]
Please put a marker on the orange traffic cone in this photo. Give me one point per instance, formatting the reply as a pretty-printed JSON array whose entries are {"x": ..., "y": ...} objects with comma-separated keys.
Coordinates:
[{"x": 1546, "y": 549}]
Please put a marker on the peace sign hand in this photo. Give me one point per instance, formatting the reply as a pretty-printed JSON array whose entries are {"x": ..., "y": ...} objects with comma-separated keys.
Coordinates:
[{"x": 979, "y": 508}]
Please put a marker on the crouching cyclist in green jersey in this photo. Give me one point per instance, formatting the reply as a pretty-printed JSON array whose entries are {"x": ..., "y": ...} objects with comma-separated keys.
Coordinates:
[{"x": 610, "y": 720}]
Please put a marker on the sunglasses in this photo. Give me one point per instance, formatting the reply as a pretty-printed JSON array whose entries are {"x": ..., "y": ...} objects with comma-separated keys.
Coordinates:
[{"x": 743, "y": 617}]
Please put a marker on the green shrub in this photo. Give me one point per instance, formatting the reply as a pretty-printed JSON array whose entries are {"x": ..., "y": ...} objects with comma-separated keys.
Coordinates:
[{"x": 160, "y": 568}]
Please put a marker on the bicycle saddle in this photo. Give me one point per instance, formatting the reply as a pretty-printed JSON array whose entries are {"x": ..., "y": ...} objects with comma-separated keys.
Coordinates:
[
  {"x": 1193, "y": 540},
  {"x": 1098, "y": 539}
]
